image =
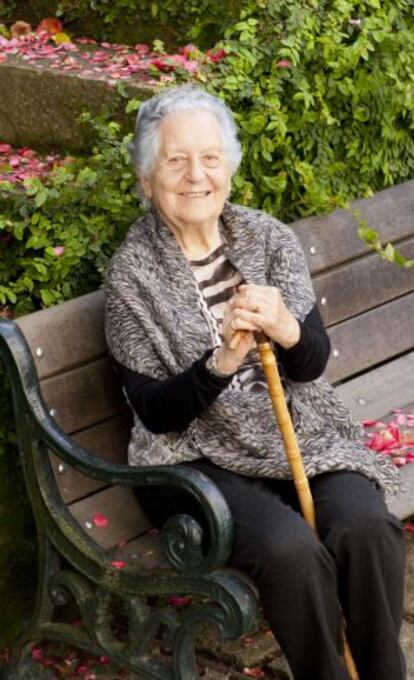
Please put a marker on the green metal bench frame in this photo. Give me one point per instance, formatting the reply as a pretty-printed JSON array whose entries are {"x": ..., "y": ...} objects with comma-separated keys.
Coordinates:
[{"x": 232, "y": 602}]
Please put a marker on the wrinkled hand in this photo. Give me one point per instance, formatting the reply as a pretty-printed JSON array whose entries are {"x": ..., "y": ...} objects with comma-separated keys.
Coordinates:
[
  {"x": 252, "y": 309},
  {"x": 263, "y": 309}
]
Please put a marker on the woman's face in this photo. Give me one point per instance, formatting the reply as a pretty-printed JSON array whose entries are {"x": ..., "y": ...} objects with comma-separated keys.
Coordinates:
[{"x": 191, "y": 178}]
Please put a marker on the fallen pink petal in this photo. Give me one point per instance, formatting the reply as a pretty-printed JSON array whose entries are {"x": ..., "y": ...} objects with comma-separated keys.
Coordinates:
[
  {"x": 254, "y": 672},
  {"x": 118, "y": 564}
]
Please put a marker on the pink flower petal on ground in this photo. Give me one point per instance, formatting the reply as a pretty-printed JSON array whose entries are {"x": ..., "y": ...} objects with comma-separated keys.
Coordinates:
[
  {"x": 118, "y": 564},
  {"x": 5, "y": 148},
  {"x": 254, "y": 672},
  {"x": 178, "y": 601},
  {"x": 3, "y": 58},
  {"x": 141, "y": 49},
  {"x": 376, "y": 442},
  {"x": 373, "y": 423},
  {"x": 409, "y": 527},
  {"x": 99, "y": 519},
  {"x": 37, "y": 654},
  {"x": 82, "y": 670},
  {"x": 399, "y": 460}
]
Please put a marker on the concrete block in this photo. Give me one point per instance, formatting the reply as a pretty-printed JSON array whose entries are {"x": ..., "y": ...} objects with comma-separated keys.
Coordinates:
[{"x": 40, "y": 106}]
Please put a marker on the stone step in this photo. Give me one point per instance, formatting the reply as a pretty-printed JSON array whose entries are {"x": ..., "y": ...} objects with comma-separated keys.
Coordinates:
[{"x": 46, "y": 86}]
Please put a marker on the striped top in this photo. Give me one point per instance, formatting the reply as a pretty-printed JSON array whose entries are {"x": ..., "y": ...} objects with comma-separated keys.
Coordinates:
[{"x": 217, "y": 280}]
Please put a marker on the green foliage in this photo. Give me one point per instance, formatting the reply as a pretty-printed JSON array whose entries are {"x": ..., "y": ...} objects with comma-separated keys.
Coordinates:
[
  {"x": 56, "y": 235},
  {"x": 372, "y": 239},
  {"x": 203, "y": 20},
  {"x": 323, "y": 93}
]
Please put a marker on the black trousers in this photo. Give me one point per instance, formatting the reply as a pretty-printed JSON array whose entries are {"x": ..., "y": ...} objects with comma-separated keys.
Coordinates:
[{"x": 358, "y": 561}]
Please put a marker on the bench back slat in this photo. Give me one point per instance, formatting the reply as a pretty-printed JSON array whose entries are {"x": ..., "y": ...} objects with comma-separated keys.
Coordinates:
[
  {"x": 371, "y": 338},
  {"x": 80, "y": 325},
  {"x": 109, "y": 440},
  {"x": 84, "y": 396},
  {"x": 352, "y": 288},
  {"x": 334, "y": 239}
]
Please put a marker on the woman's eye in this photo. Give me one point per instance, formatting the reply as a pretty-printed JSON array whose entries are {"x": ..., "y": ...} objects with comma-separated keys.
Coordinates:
[
  {"x": 212, "y": 159},
  {"x": 176, "y": 160}
]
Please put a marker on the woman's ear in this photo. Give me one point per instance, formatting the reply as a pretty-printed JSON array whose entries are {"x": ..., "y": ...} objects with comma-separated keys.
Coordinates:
[{"x": 146, "y": 186}]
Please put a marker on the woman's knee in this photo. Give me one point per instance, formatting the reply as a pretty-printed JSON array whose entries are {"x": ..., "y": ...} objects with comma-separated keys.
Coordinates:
[
  {"x": 294, "y": 558},
  {"x": 365, "y": 533}
]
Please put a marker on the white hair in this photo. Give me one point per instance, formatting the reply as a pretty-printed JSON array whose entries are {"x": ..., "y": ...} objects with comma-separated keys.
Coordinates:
[{"x": 145, "y": 147}]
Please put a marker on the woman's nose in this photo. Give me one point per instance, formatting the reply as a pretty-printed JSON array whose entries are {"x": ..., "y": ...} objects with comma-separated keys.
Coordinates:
[{"x": 195, "y": 170}]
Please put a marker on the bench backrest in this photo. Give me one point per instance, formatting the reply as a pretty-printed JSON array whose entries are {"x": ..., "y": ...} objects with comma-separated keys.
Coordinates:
[{"x": 367, "y": 305}]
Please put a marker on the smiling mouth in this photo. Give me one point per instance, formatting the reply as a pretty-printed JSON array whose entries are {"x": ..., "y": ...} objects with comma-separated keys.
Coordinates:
[{"x": 195, "y": 194}]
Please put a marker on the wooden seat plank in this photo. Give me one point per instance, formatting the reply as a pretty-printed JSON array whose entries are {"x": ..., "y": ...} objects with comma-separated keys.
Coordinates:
[
  {"x": 84, "y": 396},
  {"x": 145, "y": 552},
  {"x": 350, "y": 289},
  {"x": 378, "y": 392},
  {"x": 334, "y": 239},
  {"x": 126, "y": 520},
  {"x": 79, "y": 321},
  {"x": 371, "y": 338},
  {"x": 108, "y": 440}
]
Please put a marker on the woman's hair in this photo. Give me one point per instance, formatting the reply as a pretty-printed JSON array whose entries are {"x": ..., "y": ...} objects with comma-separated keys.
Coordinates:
[{"x": 146, "y": 142}]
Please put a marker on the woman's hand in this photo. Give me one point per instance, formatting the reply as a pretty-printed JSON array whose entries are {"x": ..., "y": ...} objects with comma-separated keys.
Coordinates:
[
  {"x": 231, "y": 355},
  {"x": 264, "y": 309}
]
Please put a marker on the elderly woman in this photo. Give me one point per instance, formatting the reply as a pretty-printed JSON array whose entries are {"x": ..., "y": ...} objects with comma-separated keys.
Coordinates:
[{"x": 190, "y": 274}]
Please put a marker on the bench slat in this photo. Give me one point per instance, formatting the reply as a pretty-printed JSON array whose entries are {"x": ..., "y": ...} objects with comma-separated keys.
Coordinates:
[
  {"x": 85, "y": 396},
  {"x": 108, "y": 440},
  {"x": 351, "y": 289},
  {"x": 382, "y": 389},
  {"x": 371, "y": 338},
  {"x": 144, "y": 552},
  {"x": 335, "y": 238},
  {"x": 79, "y": 321},
  {"x": 126, "y": 520}
]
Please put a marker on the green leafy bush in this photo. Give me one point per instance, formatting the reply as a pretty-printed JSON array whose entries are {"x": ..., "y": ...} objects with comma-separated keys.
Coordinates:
[
  {"x": 323, "y": 93},
  {"x": 57, "y": 234},
  {"x": 203, "y": 20}
]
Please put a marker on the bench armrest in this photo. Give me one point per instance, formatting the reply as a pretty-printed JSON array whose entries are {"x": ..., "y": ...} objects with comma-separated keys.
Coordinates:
[{"x": 182, "y": 536}]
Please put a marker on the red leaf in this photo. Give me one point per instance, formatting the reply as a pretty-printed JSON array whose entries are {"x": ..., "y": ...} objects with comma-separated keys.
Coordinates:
[
  {"x": 98, "y": 519},
  {"x": 254, "y": 672},
  {"x": 50, "y": 25},
  {"x": 118, "y": 564}
]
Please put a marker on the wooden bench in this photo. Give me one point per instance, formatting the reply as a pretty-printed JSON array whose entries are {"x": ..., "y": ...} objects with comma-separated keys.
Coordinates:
[{"x": 80, "y": 418}]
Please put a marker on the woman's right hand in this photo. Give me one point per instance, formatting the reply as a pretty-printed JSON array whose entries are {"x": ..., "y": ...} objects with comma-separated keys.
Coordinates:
[{"x": 231, "y": 355}]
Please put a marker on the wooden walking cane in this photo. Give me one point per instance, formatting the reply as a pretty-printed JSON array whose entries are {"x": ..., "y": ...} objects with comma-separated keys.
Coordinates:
[{"x": 277, "y": 396}]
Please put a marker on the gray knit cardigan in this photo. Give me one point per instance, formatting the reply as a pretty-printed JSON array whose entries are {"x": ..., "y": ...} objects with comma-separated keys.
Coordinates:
[{"x": 157, "y": 323}]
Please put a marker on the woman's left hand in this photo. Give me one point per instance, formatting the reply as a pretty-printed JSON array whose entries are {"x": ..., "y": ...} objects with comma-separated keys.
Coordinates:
[{"x": 264, "y": 307}]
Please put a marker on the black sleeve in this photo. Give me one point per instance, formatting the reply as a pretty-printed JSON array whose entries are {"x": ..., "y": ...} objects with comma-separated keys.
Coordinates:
[
  {"x": 171, "y": 404},
  {"x": 307, "y": 359}
]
